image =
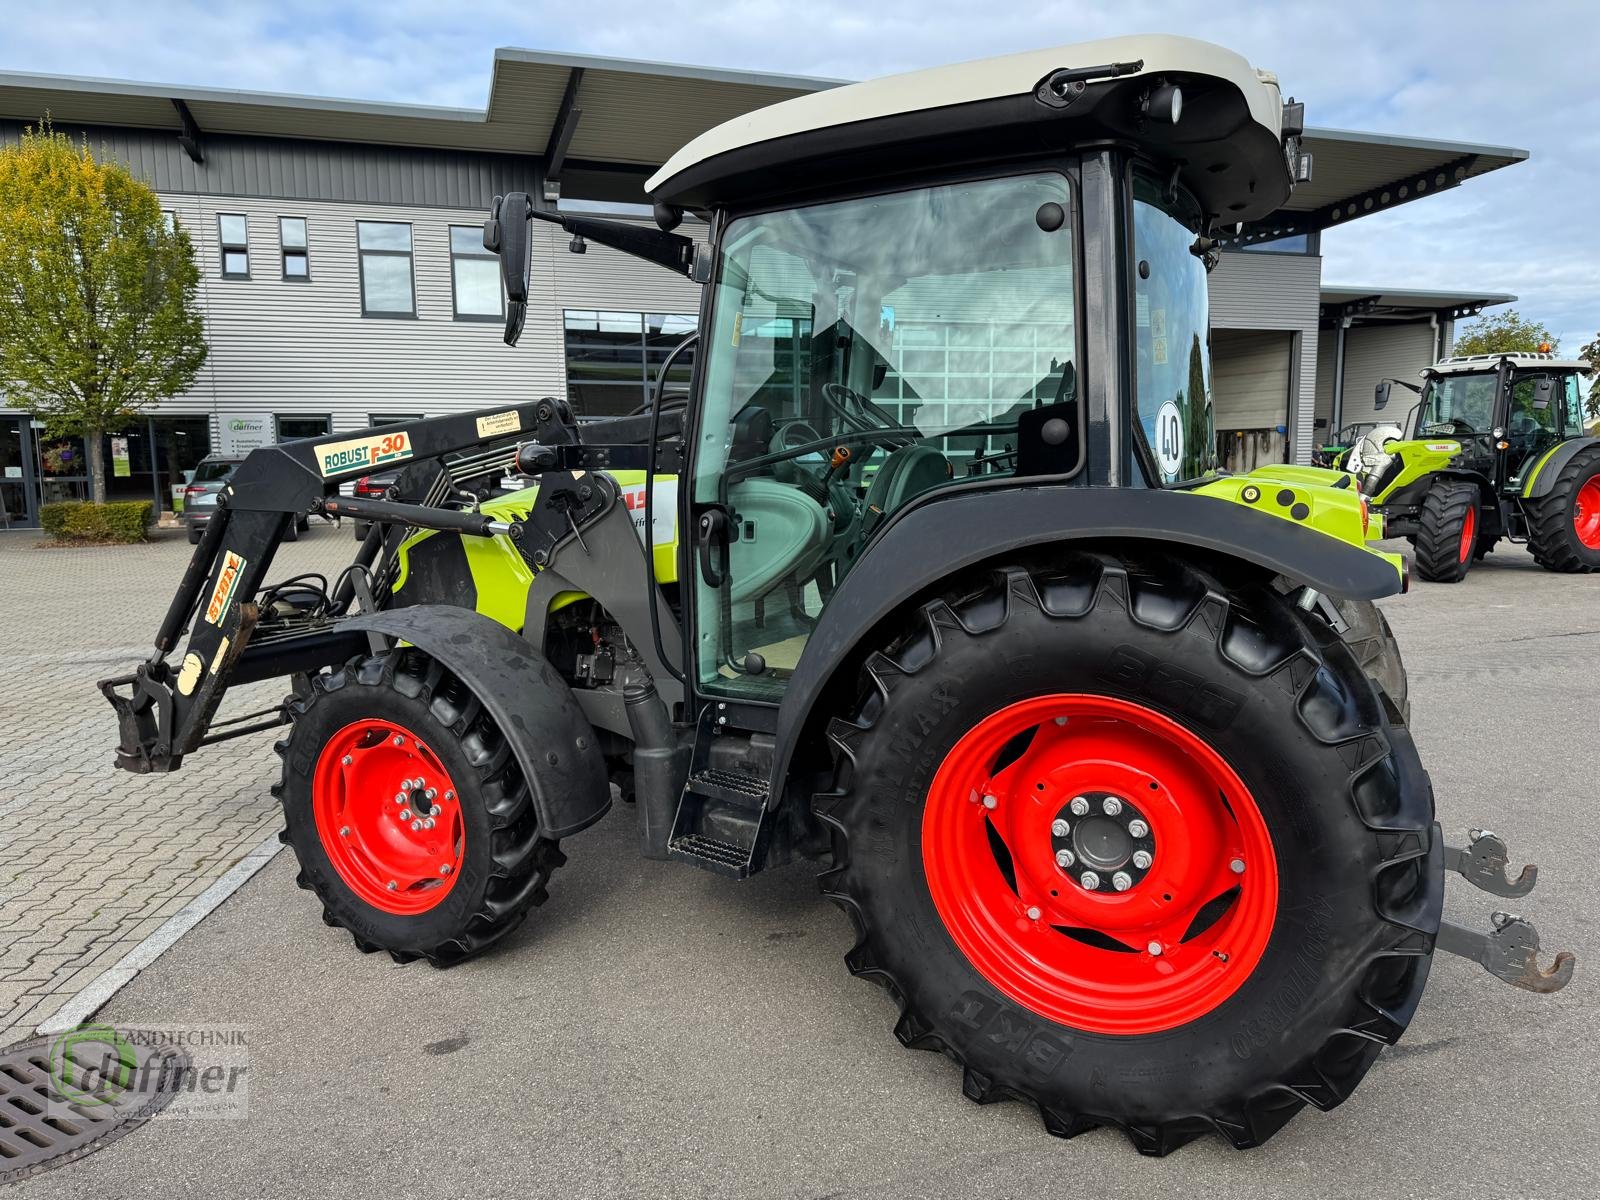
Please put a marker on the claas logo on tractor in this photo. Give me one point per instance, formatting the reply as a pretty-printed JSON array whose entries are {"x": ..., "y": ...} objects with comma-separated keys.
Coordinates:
[{"x": 1161, "y": 870}]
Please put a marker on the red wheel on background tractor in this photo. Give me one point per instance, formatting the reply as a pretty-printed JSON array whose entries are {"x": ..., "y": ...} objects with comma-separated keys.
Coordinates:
[
  {"x": 1564, "y": 524},
  {"x": 1447, "y": 531},
  {"x": 1143, "y": 848}
]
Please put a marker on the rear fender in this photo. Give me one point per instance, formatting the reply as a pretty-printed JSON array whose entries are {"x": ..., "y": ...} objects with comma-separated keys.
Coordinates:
[
  {"x": 1543, "y": 477},
  {"x": 552, "y": 739},
  {"x": 971, "y": 529}
]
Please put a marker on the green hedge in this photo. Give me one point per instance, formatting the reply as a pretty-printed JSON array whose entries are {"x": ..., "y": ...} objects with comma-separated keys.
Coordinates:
[{"x": 78, "y": 521}]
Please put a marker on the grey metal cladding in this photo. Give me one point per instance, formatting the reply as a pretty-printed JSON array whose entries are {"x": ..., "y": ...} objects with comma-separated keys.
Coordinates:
[{"x": 304, "y": 169}]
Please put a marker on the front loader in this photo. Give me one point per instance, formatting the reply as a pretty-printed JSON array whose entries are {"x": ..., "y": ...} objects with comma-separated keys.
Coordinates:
[{"x": 932, "y": 580}]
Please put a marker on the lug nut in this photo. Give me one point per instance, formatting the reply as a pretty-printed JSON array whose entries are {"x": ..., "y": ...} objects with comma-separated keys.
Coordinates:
[
  {"x": 427, "y": 822},
  {"x": 1033, "y": 914},
  {"x": 430, "y": 794},
  {"x": 416, "y": 826},
  {"x": 1155, "y": 948},
  {"x": 393, "y": 885},
  {"x": 405, "y": 814},
  {"x": 1089, "y": 880},
  {"x": 398, "y": 740},
  {"x": 344, "y": 831},
  {"x": 1137, "y": 828},
  {"x": 449, "y": 795},
  {"x": 1237, "y": 866},
  {"x": 1080, "y": 806},
  {"x": 445, "y": 870},
  {"x": 1122, "y": 881},
  {"x": 399, "y": 797},
  {"x": 347, "y": 760},
  {"x": 1060, "y": 828},
  {"x": 990, "y": 802},
  {"x": 1111, "y": 806},
  {"x": 1141, "y": 859},
  {"x": 1064, "y": 858}
]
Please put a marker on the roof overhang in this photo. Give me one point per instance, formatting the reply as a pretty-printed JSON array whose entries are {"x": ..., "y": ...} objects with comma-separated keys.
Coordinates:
[
  {"x": 1361, "y": 305},
  {"x": 635, "y": 115}
]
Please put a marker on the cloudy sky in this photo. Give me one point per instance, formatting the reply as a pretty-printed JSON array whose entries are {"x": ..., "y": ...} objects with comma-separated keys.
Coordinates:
[{"x": 1469, "y": 70}]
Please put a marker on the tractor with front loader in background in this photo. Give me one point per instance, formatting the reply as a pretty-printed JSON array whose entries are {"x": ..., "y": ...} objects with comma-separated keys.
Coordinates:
[
  {"x": 932, "y": 580},
  {"x": 1502, "y": 449}
]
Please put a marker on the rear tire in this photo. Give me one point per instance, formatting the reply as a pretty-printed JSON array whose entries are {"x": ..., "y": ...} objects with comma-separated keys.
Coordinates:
[
  {"x": 194, "y": 535},
  {"x": 1447, "y": 531},
  {"x": 1372, "y": 642},
  {"x": 460, "y": 885},
  {"x": 1242, "y": 677},
  {"x": 1564, "y": 524},
  {"x": 292, "y": 534}
]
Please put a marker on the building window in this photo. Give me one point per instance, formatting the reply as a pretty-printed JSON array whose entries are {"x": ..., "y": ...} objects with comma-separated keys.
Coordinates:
[
  {"x": 169, "y": 220},
  {"x": 392, "y": 418},
  {"x": 296, "y": 253},
  {"x": 291, "y": 428},
  {"x": 474, "y": 276},
  {"x": 234, "y": 233},
  {"x": 613, "y": 358},
  {"x": 385, "y": 253}
]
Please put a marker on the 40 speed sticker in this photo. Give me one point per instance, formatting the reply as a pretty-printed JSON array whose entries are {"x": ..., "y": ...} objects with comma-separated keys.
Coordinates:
[{"x": 368, "y": 452}]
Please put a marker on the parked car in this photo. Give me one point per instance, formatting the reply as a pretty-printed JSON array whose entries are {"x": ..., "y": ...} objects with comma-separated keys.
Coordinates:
[
  {"x": 200, "y": 496},
  {"x": 372, "y": 487}
]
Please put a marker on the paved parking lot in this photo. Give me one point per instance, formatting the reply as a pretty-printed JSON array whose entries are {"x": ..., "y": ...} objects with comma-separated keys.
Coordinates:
[
  {"x": 93, "y": 860},
  {"x": 658, "y": 1031}
]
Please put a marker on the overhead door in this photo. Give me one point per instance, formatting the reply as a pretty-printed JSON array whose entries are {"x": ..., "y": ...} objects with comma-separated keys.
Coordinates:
[
  {"x": 1250, "y": 374},
  {"x": 1376, "y": 352}
]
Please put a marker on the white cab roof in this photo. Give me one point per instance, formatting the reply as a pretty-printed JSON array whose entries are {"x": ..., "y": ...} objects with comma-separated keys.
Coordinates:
[
  {"x": 976, "y": 81},
  {"x": 1522, "y": 362}
]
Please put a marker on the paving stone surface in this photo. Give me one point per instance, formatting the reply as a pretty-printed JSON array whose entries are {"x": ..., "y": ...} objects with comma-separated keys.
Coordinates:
[{"x": 92, "y": 859}]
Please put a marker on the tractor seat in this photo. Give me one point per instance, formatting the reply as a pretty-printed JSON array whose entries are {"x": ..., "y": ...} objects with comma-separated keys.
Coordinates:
[{"x": 906, "y": 473}]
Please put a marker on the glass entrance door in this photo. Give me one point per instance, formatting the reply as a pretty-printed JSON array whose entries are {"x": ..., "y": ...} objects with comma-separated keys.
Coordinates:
[{"x": 16, "y": 477}]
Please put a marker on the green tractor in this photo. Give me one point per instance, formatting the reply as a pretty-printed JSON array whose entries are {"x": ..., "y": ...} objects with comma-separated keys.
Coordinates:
[
  {"x": 930, "y": 580},
  {"x": 1502, "y": 449}
]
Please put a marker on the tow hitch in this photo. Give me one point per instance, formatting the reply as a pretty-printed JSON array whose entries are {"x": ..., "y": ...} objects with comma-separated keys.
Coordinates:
[{"x": 1509, "y": 951}]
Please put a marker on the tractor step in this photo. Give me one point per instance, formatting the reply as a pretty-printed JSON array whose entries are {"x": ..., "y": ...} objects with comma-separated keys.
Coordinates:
[
  {"x": 720, "y": 858},
  {"x": 736, "y": 787}
]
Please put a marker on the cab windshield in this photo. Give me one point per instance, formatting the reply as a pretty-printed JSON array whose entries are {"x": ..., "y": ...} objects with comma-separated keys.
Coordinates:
[
  {"x": 1458, "y": 404},
  {"x": 1171, "y": 326}
]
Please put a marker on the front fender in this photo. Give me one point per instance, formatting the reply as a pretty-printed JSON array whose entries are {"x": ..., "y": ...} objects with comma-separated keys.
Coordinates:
[
  {"x": 1548, "y": 469},
  {"x": 552, "y": 739},
  {"x": 969, "y": 529}
]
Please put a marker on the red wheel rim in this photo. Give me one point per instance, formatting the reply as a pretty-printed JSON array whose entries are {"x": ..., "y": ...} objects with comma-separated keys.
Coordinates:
[
  {"x": 389, "y": 817},
  {"x": 1182, "y": 937},
  {"x": 1469, "y": 534},
  {"x": 1586, "y": 513}
]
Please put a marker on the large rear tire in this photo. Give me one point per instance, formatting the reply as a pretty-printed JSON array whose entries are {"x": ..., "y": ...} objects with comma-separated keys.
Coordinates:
[
  {"x": 1447, "y": 531},
  {"x": 408, "y": 811},
  {"x": 1279, "y": 932},
  {"x": 1564, "y": 524},
  {"x": 1370, "y": 639}
]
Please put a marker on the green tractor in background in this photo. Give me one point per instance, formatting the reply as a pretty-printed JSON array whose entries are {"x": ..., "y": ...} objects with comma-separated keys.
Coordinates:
[{"x": 1500, "y": 449}]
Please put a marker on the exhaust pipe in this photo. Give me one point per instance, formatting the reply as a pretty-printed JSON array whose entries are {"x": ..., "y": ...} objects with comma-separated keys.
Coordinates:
[{"x": 660, "y": 767}]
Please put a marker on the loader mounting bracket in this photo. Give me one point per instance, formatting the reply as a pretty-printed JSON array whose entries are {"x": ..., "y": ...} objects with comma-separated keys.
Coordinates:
[{"x": 1509, "y": 952}]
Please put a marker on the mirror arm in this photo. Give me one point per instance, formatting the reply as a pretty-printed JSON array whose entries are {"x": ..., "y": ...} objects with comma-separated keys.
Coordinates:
[{"x": 670, "y": 250}]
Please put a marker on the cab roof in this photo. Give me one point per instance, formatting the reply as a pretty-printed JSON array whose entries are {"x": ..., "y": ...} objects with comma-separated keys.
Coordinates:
[
  {"x": 1522, "y": 361},
  {"x": 1229, "y": 138}
]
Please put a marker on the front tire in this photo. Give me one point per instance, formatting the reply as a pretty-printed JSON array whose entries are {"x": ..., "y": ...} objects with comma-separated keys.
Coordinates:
[
  {"x": 1564, "y": 524},
  {"x": 1447, "y": 531},
  {"x": 1239, "y": 730},
  {"x": 408, "y": 811}
]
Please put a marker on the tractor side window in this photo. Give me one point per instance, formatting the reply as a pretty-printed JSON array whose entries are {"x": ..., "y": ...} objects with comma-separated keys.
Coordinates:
[
  {"x": 860, "y": 355},
  {"x": 1172, "y": 335},
  {"x": 1532, "y": 427},
  {"x": 1572, "y": 422}
]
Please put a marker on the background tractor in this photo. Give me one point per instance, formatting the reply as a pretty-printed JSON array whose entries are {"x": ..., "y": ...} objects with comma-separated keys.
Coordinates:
[
  {"x": 932, "y": 580},
  {"x": 1501, "y": 449}
]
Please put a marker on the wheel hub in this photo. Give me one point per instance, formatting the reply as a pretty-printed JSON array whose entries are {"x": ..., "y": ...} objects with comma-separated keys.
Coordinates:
[{"x": 1102, "y": 842}]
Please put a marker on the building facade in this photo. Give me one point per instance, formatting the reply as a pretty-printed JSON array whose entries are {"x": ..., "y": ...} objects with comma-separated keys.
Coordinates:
[{"x": 343, "y": 281}]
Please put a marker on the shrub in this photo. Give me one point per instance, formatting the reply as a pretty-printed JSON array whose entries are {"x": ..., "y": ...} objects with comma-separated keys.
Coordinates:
[{"x": 117, "y": 521}]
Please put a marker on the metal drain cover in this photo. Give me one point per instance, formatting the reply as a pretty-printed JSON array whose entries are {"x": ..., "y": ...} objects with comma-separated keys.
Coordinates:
[{"x": 68, "y": 1095}]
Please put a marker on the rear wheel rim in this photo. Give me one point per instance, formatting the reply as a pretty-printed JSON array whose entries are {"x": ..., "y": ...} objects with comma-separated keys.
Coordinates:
[
  {"x": 1586, "y": 513},
  {"x": 1469, "y": 534},
  {"x": 1186, "y": 928},
  {"x": 388, "y": 815}
]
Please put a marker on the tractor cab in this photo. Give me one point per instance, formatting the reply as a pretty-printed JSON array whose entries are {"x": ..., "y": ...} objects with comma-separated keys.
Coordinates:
[{"x": 1497, "y": 431}]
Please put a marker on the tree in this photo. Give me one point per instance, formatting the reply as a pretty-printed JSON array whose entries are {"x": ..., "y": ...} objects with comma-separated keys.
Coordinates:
[
  {"x": 1506, "y": 332},
  {"x": 1591, "y": 352},
  {"x": 98, "y": 319}
]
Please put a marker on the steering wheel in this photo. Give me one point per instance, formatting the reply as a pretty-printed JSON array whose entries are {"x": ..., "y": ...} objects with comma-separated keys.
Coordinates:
[
  {"x": 1455, "y": 426},
  {"x": 841, "y": 399}
]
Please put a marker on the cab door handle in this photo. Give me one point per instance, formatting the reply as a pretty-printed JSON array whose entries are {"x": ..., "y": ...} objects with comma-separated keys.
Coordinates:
[{"x": 711, "y": 533}]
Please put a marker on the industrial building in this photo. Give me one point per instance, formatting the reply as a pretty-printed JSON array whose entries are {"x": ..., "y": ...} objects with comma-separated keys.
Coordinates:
[{"x": 344, "y": 281}]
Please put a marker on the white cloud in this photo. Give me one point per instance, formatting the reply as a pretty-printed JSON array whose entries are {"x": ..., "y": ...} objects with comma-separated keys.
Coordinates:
[{"x": 1468, "y": 70}]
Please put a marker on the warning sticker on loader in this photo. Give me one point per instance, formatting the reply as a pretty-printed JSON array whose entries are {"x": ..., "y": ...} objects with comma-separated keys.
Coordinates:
[
  {"x": 227, "y": 583},
  {"x": 497, "y": 423},
  {"x": 363, "y": 452},
  {"x": 664, "y": 510}
]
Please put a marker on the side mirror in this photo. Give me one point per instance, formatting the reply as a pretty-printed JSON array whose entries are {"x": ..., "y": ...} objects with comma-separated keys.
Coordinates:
[
  {"x": 1380, "y": 397},
  {"x": 506, "y": 234},
  {"x": 1544, "y": 390}
]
